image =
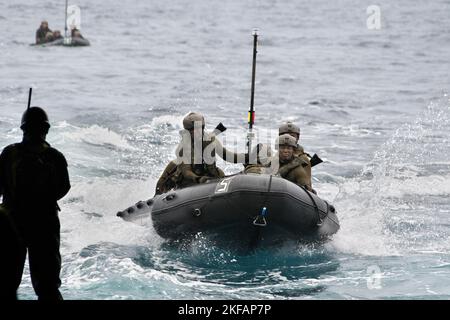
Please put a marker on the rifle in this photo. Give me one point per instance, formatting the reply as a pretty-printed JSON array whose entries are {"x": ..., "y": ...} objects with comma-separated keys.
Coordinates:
[{"x": 29, "y": 98}]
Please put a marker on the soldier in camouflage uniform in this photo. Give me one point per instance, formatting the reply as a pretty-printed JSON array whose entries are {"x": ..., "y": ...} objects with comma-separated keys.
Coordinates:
[
  {"x": 190, "y": 168},
  {"x": 296, "y": 169}
]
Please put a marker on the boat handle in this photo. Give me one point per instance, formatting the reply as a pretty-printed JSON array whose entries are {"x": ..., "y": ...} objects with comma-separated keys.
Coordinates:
[{"x": 170, "y": 197}]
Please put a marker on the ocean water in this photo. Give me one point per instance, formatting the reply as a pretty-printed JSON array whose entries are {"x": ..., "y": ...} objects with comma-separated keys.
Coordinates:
[{"x": 373, "y": 103}]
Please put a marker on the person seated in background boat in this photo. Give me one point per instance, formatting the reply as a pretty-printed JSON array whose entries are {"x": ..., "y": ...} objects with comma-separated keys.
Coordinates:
[
  {"x": 43, "y": 34},
  {"x": 263, "y": 154},
  {"x": 196, "y": 153},
  {"x": 76, "y": 33},
  {"x": 57, "y": 35},
  {"x": 296, "y": 169}
]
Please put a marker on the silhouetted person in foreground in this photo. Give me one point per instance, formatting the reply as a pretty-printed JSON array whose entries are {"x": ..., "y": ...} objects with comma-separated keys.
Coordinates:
[{"x": 33, "y": 177}]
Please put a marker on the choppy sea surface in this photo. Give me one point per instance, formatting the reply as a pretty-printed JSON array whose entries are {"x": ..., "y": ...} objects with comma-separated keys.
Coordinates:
[{"x": 373, "y": 103}]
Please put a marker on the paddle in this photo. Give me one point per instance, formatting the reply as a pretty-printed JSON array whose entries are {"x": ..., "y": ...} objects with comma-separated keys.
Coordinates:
[
  {"x": 219, "y": 129},
  {"x": 315, "y": 160}
]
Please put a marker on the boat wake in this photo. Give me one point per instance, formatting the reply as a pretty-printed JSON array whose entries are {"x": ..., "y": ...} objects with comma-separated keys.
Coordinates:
[{"x": 395, "y": 205}]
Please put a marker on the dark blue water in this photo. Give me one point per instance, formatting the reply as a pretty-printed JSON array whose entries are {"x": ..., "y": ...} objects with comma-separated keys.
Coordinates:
[{"x": 373, "y": 103}]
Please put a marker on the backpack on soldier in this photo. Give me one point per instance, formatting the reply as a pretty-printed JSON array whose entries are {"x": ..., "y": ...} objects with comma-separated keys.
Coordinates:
[{"x": 33, "y": 177}]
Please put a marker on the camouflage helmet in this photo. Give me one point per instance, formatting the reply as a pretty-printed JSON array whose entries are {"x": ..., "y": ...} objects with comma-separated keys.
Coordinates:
[
  {"x": 34, "y": 117},
  {"x": 288, "y": 127},
  {"x": 285, "y": 140},
  {"x": 190, "y": 120}
]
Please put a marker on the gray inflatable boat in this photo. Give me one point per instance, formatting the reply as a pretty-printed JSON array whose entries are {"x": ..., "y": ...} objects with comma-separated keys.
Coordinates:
[
  {"x": 245, "y": 208},
  {"x": 67, "y": 42}
]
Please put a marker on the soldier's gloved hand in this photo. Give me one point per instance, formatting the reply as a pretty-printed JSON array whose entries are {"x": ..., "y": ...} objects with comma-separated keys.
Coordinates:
[{"x": 202, "y": 179}]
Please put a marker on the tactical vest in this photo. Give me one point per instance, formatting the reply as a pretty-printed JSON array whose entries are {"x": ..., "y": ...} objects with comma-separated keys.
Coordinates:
[{"x": 204, "y": 169}]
